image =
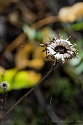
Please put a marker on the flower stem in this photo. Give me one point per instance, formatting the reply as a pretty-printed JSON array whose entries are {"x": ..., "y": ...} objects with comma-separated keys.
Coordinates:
[{"x": 27, "y": 93}]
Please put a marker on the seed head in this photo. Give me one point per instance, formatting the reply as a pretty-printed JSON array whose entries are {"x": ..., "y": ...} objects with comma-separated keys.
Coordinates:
[
  {"x": 60, "y": 49},
  {"x": 4, "y": 85}
]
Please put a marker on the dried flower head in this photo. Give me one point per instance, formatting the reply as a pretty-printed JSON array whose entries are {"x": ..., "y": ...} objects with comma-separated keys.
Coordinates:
[
  {"x": 4, "y": 85},
  {"x": 59, "y": 49}
]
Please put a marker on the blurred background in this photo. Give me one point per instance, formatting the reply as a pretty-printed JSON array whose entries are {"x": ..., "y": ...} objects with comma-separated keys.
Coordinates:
[{"x": 24, "y": 25}]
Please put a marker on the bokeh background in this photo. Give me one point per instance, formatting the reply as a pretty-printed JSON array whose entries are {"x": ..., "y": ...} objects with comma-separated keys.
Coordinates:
[{"x": 24, "y": 25}]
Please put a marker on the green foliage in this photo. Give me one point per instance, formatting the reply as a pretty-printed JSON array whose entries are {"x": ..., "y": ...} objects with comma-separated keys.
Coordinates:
[
  {"x": 8, "y": 76},
  {"x": 29, "y": 31},
  {"x": 65, "y": 89},
  {"x": 20, "y": 79}
]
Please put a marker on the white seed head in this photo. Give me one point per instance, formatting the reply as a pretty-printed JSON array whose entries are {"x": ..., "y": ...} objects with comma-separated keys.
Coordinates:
[
  {"x": 4, "y": 85},
  {"x": 60, "y": 49}
]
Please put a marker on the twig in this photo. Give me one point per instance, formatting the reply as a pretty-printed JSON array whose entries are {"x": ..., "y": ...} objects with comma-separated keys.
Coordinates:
[
  {"x": 27, "y": 93},
  {"x": 45, "y": 21}
]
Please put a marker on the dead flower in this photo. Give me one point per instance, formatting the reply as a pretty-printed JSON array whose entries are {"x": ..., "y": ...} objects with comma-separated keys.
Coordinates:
[
  {"x": 4, "y": 85},
  {"x": 60, "y": 49}
]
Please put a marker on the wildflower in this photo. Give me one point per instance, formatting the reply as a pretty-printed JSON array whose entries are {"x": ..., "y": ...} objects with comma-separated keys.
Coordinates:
[
  {"x": 4, "y": 85},
  {"x": 60, "y": 49}
]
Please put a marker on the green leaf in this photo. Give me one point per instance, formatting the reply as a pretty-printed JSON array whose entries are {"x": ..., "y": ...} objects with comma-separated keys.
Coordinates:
[
  {"x": 20, "y": 80},
  {"x": 39, "y": 36},
  {"x": 29, "y": 31},
  {"x": 1, "y": 78},
  {"x": 25, "y": 79},
  {"x": 9, "y": 76}
]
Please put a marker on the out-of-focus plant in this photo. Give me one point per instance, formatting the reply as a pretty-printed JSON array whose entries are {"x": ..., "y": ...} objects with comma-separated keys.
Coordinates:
[
  {"x": 72, "y": 13},
  {"x": 20, "y": 79}
]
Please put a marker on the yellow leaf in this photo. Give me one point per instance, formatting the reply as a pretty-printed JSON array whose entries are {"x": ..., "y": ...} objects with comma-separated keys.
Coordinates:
[
  {"x": 72, "y": 13},
  {"x": 36, "y": 63},
  {"x": 34, "y": 78}
]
